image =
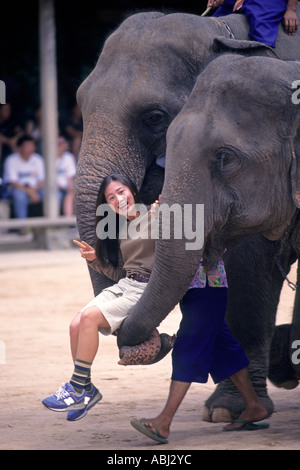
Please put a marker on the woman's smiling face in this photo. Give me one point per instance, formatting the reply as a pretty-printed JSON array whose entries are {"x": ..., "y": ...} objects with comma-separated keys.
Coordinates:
[{"x": 119, "y": 196}]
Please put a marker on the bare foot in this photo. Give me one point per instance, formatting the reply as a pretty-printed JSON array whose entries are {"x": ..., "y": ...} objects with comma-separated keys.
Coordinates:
[
  {"x": 251, "y": 414},
  {"x": 154, "y": 425}
]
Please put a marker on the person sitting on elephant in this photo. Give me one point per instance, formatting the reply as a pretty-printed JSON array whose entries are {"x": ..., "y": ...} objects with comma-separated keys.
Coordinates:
[
  {"x": 263, "y": 16},
  {"x": 205, "y": 345},
  {"x": 106, "y": 312}
]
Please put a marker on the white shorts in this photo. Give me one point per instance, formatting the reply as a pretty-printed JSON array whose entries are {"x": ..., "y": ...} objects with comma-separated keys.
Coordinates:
[{"x": 116, "y": 301}]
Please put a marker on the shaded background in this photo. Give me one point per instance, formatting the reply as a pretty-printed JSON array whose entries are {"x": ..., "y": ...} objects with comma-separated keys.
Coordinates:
[{"x": 81, "y": 30}]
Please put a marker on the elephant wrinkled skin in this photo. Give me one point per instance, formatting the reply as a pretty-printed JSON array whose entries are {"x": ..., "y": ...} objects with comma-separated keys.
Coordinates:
[{"x": 144, "y": 76}]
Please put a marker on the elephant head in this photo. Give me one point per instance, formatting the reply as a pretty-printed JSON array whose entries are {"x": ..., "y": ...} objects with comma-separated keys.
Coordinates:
[{"x": 242, "y": 141}]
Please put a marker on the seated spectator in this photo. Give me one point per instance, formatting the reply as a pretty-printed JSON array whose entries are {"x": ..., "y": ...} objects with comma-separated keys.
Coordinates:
[
  {"x": 72, "y": 128},
  {"x": 66, "y": 169},
  {"x": 10, "y": 130},
  {"x": 24, "y": 176},
  {"x": 33, "y": 128},
  {"x": 263, "y": 16}
]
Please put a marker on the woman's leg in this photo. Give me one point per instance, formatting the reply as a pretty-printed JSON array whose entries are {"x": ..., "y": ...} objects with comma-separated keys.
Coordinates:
[
  {"x": 91, "y": 319},
  {"x": 163, "y": 421},
  {"x": 84, "y": 332},
  {"x": 74, "y": 334},
  {"x": 84, "y": 338}
]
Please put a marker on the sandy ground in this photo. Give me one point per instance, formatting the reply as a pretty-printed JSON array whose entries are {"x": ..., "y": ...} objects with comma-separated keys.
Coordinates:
[{"x": 40, "y": 292}]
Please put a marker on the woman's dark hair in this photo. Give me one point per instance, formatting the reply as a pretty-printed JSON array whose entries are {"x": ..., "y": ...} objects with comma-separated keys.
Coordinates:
[{"x": 107, "y": 249}]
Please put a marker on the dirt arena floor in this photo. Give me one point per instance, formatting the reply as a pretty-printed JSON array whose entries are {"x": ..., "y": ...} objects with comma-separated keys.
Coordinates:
[{"x": 40, "y": 293}]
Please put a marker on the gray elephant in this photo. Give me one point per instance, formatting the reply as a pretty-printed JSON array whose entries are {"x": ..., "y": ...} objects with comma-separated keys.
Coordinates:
[
  {"x": 241, "y": 143},
  {"x": 143, "y": 77}
]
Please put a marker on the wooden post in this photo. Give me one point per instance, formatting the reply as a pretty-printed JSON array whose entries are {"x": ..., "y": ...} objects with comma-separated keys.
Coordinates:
[{"x": 48, "y": 87}]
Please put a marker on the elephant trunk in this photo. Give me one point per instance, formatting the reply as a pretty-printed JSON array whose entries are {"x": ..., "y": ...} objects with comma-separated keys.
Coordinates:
[
  {"x": 175, "y": 264},
  {"x": 170, "y": 278}
]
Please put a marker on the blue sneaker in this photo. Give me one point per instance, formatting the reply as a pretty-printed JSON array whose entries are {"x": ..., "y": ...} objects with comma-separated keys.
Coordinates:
[
  {"x": 91, "y": 398},
  {"x": 65, "y": 399}
]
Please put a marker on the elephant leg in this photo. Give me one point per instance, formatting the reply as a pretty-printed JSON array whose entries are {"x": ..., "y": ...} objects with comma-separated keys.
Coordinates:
[{"x": 254, "y": 289}]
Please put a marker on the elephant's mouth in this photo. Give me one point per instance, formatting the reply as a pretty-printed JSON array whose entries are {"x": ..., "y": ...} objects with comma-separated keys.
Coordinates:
[
  {"x": 152, "y": 184},
  {"x": 214, "y": 247},
  {"x": 216, "y": 240}
]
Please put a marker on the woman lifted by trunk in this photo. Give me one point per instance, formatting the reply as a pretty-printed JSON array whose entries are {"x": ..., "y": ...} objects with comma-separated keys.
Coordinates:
[{"x": 106, "y": 311}]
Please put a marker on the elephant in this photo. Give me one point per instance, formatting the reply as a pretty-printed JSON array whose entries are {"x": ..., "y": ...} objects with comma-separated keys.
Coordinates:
[
  {"x": 144, "y": 75},
  {"x": 242, "y": 143}
]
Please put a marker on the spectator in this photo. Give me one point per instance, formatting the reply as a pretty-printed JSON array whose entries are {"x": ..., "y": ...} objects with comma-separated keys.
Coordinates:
[
  {"x": 33, "y": 128},
  {"x": 73, "y": 129},
  {"x": 9, "y": 131},
  {"x": 66, "y": 169},
  {"x": 24, "y": 176}
]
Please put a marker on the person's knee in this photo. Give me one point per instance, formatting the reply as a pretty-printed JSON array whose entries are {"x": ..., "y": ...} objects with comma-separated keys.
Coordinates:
[
  {"x": 74, "y": 325},
  {"x": 92, "y": 316},
  {"x": 19, "y": 195}
]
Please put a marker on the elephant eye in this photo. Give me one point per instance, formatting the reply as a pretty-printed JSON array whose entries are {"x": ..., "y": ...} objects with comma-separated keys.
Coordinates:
[
  {"x": 223, "y": 157},
  {"x": 224, "y": 161},
  {"x": 155, "y": 120}
]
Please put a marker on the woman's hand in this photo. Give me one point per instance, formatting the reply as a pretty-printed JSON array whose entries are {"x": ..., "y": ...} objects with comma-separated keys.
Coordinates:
[
  {"x": 86, "y": 250},
  {"x": 155, "y": 206},
  {"x": 214, "y": 3}
]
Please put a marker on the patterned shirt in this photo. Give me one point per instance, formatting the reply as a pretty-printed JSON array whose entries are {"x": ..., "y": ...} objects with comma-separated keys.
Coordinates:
[{"x": 216, "y": 277}]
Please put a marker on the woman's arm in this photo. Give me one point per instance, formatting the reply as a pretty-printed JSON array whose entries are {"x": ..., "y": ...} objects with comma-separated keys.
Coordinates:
[{"x": 89, "y": 253}]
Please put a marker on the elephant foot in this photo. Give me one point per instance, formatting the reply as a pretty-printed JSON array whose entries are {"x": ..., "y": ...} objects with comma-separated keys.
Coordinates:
[
  {"x": 149, "y": 352},
  {"x": 226, "y": 404},
  {"x": 217, "y": 415}
]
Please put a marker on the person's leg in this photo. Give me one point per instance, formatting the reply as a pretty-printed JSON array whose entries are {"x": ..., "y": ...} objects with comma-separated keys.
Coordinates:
[
  {"x": 230, "y": 361},
  {"x": 20, "y": 203},
  {"x": 264, "y": 18},
  {"x": 84, "y": 345},
  {"x": 84, "y": 335},
  {"x": 191, "y": 354},
  {"x": 254, "y": 410},
  {"x": 163, "y": 421},
  {"x": 91, "y": 319},
  {"x": 68, "y": 204},
  {"x": 84, "y": 338},
  {"x": 74, "y": 334},
  {"x": 60, "y": 198}
]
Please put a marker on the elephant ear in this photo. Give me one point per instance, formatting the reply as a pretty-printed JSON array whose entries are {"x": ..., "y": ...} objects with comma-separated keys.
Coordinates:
[{"x": 243, "y": 47}]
